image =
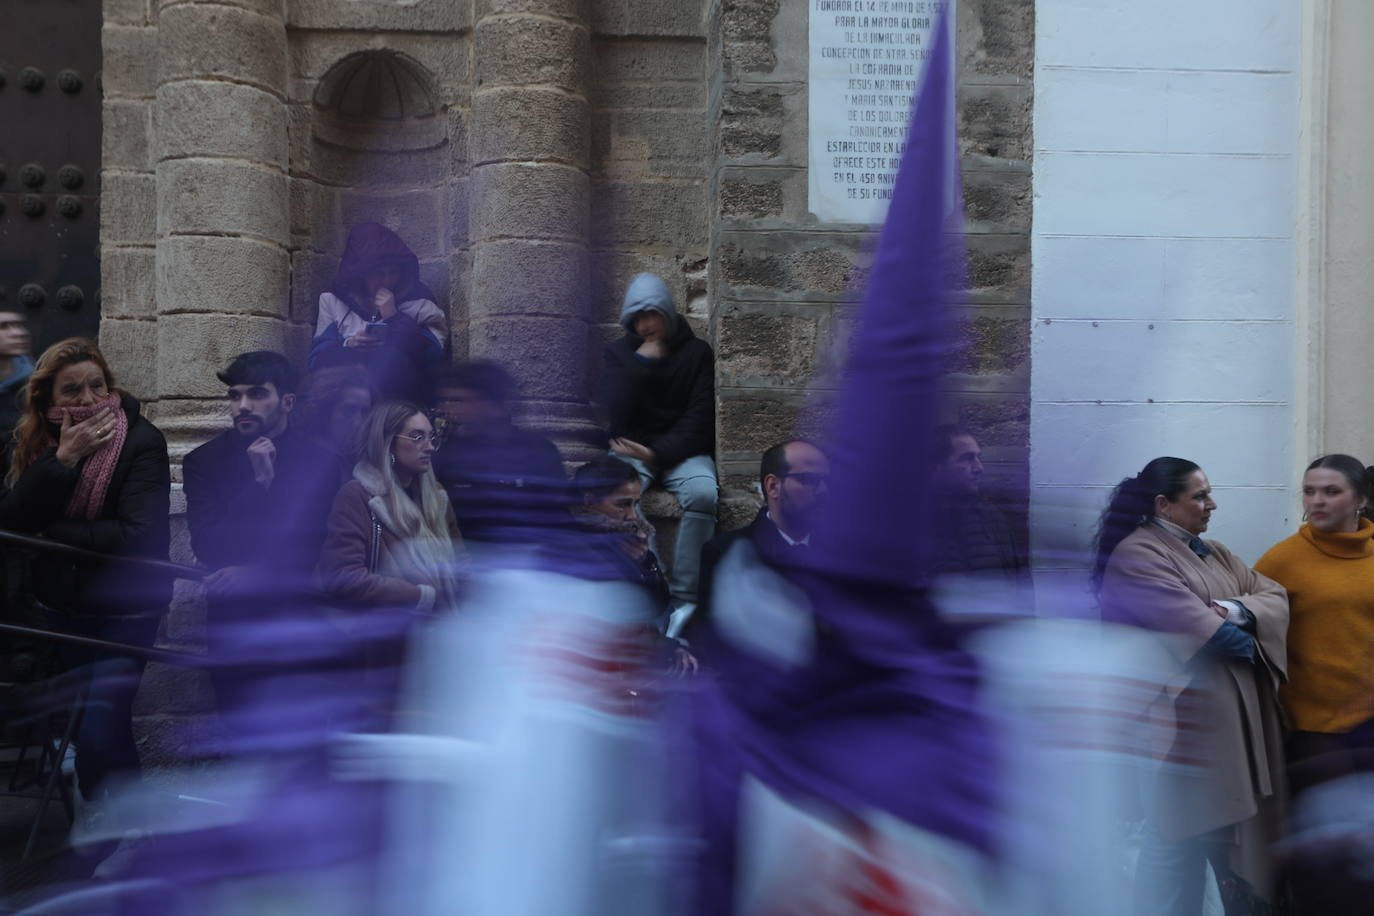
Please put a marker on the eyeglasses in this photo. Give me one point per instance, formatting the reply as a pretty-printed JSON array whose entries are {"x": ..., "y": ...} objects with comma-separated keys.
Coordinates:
[
  {"x": 417, "y": 437},
  {"x": 808, "y": 479}
]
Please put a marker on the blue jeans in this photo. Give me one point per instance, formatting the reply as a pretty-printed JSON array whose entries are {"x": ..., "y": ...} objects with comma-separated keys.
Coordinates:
[
  {"x": 104, "y": 738},
  {"x": 694, "y": 484},
  {"x": 1169, "y": 875}
]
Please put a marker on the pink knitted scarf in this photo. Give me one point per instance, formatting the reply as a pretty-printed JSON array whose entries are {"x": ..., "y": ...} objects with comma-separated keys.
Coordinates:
[{"x": 89, "y": 497}]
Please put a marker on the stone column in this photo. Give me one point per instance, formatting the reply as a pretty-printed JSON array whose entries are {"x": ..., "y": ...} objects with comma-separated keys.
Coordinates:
[
  {"x": 530, "y": 199},
  {"x": 222, "y": 267}
]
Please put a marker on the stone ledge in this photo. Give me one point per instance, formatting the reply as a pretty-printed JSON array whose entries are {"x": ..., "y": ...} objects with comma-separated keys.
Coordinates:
[
  {"x": 737, "y": 507},
  {"x": 381, "y": 15}
]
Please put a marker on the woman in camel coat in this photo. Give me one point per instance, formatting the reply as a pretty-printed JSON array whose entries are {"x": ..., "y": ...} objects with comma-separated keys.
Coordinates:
[{"x": 1216, "y": 791}]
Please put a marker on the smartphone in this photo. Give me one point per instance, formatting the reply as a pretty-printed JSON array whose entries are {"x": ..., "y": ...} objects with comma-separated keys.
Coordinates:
[{"x": 377, "y": 329}]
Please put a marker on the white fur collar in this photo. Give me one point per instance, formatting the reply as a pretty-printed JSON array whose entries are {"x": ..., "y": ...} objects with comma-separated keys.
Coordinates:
[{"x": 375, "y": 485}]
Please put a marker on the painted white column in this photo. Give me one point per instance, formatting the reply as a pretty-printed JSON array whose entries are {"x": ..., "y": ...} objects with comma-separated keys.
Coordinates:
[{"x": 1163, "y": 257}]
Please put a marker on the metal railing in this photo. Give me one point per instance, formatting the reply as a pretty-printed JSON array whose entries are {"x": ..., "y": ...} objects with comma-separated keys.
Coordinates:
[
  {"x": 49, "y": 757},
  {"x": 161, "y": 567}
]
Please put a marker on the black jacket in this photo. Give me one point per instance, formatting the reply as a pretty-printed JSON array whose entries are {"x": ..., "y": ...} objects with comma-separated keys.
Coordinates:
[
  {"x": 134, "y": 522},
  {"x": 669, "y": 404},
  {"x": 503, "y": 491},
  {"x": 771, "y": 548},
  {"x": 235, "y": 522},
  {"x": 975, "y": 539}
]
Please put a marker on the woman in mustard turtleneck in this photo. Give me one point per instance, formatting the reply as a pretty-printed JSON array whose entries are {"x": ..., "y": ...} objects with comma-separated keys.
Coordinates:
[{"x": 1328, "y": 569}]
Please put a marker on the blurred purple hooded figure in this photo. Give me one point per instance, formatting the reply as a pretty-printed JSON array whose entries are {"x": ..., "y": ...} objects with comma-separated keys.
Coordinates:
[{"x": 837, "y": 686}]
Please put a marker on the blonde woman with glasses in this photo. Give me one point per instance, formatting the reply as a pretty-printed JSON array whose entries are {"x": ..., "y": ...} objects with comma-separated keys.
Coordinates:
[{"x": 392, "y": 540}]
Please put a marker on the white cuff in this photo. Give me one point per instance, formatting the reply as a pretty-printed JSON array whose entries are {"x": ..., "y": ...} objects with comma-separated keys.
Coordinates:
[
  {"x": 1235, "y": 613},
  {"x": 427, "y": 596}
]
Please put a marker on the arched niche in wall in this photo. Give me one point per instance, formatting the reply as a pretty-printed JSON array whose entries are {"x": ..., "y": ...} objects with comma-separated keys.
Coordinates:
[{"x": 379, "y": 148}]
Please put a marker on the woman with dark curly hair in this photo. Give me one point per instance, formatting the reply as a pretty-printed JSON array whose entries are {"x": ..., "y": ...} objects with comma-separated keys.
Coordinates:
[
  {"x": 90, "y": 471},
  {"x": 1221, "y": 632}
]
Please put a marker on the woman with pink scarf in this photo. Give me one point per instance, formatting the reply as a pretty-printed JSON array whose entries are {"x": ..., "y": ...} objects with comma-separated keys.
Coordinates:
[{"x": 88, "y": 470}]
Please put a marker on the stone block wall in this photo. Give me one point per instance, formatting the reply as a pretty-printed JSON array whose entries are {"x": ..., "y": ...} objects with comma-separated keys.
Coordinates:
[
  {"x": 649, "y": 158},
  {"x": 781, "y": 283}
]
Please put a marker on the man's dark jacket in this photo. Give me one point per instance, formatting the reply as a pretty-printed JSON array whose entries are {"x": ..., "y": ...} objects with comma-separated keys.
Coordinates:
[
  {"x": 666, "y": 404},
  {"x": 134, "y": 522},
  {"x": 503, "y": 491},
  {"x": 771, "y": 548},
  {"x": 975, "y": 538},
  {"x": 236, "y": 522}
]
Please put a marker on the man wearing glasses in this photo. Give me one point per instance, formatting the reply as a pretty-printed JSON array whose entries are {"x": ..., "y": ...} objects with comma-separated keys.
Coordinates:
[{"x": 795, "y": 479}]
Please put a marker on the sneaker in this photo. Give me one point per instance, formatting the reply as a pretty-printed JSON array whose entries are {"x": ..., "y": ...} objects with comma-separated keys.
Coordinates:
[{"x": 122, "y": 859}]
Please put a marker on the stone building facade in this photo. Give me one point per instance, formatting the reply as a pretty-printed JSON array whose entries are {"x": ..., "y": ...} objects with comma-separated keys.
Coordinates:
[{"x": 535, "y": 154}]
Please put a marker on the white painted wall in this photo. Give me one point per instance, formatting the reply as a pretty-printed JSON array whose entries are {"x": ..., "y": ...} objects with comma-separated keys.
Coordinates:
[{"x": 1163, "y": 261}]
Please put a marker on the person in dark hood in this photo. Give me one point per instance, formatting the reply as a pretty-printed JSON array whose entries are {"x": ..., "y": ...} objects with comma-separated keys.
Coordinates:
[
  {"x": 90, "y": 471},
  {"x": 658, "y": 391},
  {"x": 379, "y": 314}
]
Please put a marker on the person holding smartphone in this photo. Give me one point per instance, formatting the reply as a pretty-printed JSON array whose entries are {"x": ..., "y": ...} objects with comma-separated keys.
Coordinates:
[{"x": 380, "y": 315}]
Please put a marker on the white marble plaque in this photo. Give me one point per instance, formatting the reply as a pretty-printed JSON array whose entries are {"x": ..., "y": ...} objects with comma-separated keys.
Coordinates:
[{"x": 867, "y": 61}]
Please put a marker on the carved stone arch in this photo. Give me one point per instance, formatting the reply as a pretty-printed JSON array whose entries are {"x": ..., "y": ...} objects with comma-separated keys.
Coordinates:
[
  {"x": 378, "y": 151},
  {"x": 379, "y": 100}
]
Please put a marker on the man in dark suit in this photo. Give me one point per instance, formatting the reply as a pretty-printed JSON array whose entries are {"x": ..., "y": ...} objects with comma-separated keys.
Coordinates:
[{"x": 795, "y": 479}]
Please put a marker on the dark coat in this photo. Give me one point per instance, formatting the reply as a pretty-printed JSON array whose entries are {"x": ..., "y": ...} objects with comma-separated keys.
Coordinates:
[
  {"x": 669, "y": 404},
  {"x": 503, "y": 491},
  {"x": 975, "y": 538},
  {"x": 346, "y": 570},
  {"x": 134, "y": 522},
  {"x": 771, "y": 548},
  {"x": 236, "y": 522}
]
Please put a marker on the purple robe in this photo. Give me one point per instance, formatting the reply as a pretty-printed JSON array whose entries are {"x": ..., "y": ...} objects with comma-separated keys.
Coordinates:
[{"x": 885, "y": 715}]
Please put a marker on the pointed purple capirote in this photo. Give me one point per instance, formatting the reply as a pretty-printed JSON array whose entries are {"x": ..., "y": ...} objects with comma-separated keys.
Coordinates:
[
  {"x": 885, "y": 715},
  {"x": 889, "y": 399}
]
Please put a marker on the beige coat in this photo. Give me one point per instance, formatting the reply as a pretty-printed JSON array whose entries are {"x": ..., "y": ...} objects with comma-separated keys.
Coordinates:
[{"x": 1220, "y": 750}]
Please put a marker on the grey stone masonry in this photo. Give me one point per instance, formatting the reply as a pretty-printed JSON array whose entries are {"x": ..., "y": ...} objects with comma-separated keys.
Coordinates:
[
  {"x": 781, "y": 284},
  {"x": 529, "y": 204},
  {"x": 222, "y": 277}
]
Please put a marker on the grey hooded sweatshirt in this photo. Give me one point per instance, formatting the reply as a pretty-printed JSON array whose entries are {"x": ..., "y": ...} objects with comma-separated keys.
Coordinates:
[{"x": 666, "y": 404}]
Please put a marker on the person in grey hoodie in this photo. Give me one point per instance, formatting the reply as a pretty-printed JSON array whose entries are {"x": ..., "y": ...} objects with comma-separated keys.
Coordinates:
[{"x": 658, "y": 391}]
